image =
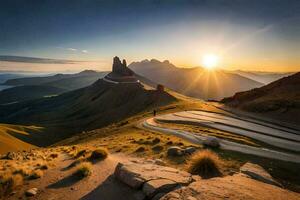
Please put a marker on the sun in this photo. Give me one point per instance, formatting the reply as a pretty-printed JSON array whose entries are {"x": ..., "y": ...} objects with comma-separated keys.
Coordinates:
[{"x": 210, "y": 61}]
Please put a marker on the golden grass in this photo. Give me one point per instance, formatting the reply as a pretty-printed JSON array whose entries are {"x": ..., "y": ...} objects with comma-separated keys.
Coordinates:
[
  {"x": 36, "y": 174},
  {"x": 98, "y": 154},
  {"x": 204, "y": 163},
  {"x": 83, "y": 169},
  {"x": 8, "y": 182},
  {"x": 8, "y": 142}
]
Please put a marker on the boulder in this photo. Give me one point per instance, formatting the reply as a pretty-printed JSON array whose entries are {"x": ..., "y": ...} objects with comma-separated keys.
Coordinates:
[
  {"x": 127, "y": 175},
  {"x": 154, "y": 187},
  {"x": 190, "y": 150},
  {"x": 31, "y": 192},
  {"x": 258, "y": 173},
  {"x": 175, "y": 151},
  {"x": 159, "y": 162},
  {"x": 212, "y": 142},
  {"x": 151, "y": 178},
  {"x": 235, "y": 187}
]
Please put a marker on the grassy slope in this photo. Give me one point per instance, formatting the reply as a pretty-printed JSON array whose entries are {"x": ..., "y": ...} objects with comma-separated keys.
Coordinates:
[
  {"x": 125, "y": 137},
  {"x": 85, "y": 109},
  {"x": 27, "y": 92},
  {"x": 279, "y": 100},
  {"x": 9, "y": 134}
]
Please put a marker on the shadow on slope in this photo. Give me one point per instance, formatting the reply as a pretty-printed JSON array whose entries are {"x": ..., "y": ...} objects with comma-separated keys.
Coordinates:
[{"x": 88, "y": 108}]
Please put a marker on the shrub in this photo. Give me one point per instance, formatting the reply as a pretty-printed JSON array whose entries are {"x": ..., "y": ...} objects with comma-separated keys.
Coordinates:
[
  {"x": 36, "y": 174},
  {"x": 8, "y": 182},
  {"x": 22, "y": 171},
  {"x": 205, "y": 164},
  {"x": 53, "y": 155},
  {"x": 83, "y": 170},
  {"x": 98, "y": 154}
]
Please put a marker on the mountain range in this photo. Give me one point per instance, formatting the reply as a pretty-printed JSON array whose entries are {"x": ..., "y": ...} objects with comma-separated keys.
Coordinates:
[
  {"x": 194, "y": 82},
  {"x": 279, "y": 99},
  {"x": 87, "y": 108},
  {"x": 28, "y": 88}
]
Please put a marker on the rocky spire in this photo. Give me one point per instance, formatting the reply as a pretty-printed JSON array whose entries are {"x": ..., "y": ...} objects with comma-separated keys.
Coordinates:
[
  {"x": 121, "y": 68},
  {"x": 124, "y": 63}
]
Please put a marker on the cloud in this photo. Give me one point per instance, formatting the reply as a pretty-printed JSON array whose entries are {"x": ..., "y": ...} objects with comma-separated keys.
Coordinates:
[
  {"x": 74, "y": 49},
  {"x": 23, "y": 59}
]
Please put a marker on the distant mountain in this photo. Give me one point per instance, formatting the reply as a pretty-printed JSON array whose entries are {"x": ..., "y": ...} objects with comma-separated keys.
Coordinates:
[
  {"x": 262, "y": 77},
  {"x": 279, "y": 99},
  {"x": 66, "y": 81},
  {"x": 195, "y": 82},
  {"x": 5, "y": 77},
  {"x": 27, "y": 92},
  {"x": 104, "y": 102},
  {"x": 29, "y": 88}
]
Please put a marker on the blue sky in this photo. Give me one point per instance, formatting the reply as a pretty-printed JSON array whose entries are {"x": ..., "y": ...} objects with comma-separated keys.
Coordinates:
[{"x": 245, "y": 34}]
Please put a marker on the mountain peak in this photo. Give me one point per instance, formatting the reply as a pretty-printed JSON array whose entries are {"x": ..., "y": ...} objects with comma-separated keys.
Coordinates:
[{"x": 120, "y": 72}]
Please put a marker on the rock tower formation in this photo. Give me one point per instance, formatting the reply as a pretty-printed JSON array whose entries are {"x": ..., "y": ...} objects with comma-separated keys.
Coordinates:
[
  {"x": 121, "y": 68},
  {"x": 120, "y": 72}
]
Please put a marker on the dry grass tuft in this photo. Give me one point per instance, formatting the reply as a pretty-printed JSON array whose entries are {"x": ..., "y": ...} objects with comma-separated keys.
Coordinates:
[
  {"x": 8, "y": 182},
  {"x": 53, "y": 155},
  {"x": 205, "y": 164},
  {"x": 83, "y": 170},
  {"x": 36, "y": 174},
  {"x": 98, "y": 154}
]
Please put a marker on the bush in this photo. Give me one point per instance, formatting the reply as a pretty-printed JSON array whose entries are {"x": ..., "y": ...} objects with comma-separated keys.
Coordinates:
[
  {"x": 36, "y": 174},
  {"x": 53, "y": 155},
  {"x": 98, "y": 154},
  {"x": 8, "y": 182},
  {"x": 205, "y": 164},
  {"x": 83, "y": 170}
]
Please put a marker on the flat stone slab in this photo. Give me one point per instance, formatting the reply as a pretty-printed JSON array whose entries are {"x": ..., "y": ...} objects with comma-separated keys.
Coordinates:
[
  {"x": 156, "y": 186},
  {"x": 151, "y": 178},
  {"x": 234, "y": 187},
  {"x": 258, "y": 173}
]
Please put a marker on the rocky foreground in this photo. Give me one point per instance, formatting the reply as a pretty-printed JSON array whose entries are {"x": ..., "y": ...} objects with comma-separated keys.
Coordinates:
[{"x": 153, "y": 181}]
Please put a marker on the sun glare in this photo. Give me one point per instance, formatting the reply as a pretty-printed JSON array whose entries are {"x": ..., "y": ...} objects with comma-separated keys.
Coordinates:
[{"x": 210, "y": 61}]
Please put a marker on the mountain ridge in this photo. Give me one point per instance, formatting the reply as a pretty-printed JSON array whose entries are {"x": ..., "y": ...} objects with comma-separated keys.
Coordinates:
[{"x": 194, "y": 82}]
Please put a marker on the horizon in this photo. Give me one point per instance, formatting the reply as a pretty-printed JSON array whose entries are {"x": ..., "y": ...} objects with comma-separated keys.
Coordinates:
[
  {"x": 71, "y": 63},
  {"x": 249, "y": 36}
]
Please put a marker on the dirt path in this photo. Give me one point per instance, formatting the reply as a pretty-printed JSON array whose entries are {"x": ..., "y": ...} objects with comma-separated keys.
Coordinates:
[{"x": 58, "y": 183}]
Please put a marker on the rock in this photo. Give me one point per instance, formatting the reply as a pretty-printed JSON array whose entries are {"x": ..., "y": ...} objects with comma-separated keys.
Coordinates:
[
  {"x": 140, "y": 149},
  {"x": 158, "y": 196},
  {"x": 155, "y": 140},
  {"x": 121, "y": 68},
  {"x": 159, "y": 162},
  {"x": 136, "y": 174},
  {"x": 157, "y": 148},
  {"x": 211, "y": 142},
  {"x": 160, "y": 88},
  {"x": 190, "y": 150},
  {"x": 258, "y": 173},
  {"x": 9, "y": 156},
  {"x": 174, "y": 151},
  {"x": 128, "y": 176},
  {"x": 154, "y": 187},
  {"x": 31, "y": 192}
]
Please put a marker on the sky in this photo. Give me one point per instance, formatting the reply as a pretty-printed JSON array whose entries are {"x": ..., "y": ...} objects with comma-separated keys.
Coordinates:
[{"x": 255, "y": 35}]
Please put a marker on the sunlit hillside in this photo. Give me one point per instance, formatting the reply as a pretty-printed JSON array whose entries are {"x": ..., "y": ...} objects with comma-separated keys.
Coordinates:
[{"x": 13, "y": 137}]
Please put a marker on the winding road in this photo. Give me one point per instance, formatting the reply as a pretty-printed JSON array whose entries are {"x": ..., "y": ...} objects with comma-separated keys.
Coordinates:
[{"x": 269, "y": 133}]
